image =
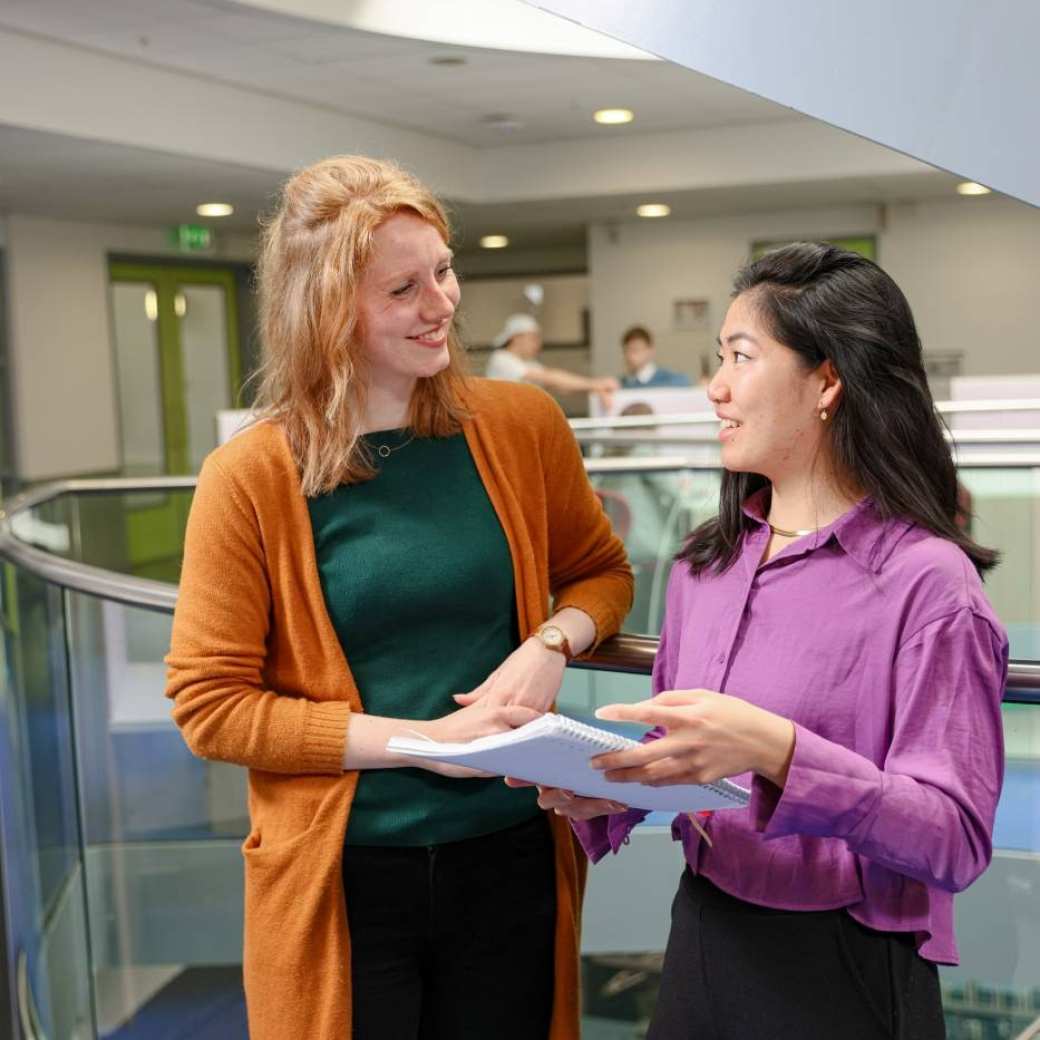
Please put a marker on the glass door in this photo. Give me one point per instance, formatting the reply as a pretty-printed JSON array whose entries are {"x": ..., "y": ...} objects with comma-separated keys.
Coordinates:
[{"x": 177, "y": 364}]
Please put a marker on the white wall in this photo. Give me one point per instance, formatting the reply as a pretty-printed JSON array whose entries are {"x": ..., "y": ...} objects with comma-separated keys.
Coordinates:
[
  {"x": 968, "y": 266},
  {"x": 971, "y": 275},
  {"x": 65, "y": 412}
]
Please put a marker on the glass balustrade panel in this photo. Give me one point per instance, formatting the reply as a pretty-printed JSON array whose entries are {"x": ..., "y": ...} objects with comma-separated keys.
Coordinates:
[
  {"x": 162, "y": 831},
  {"x": 652, "y": 512},
  {"x": 140, "y": 533},
  {"x": 39, "y": 811}
]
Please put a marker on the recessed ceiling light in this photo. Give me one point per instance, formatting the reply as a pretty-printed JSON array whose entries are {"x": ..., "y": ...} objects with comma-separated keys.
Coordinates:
[
  {"x": 448, "y": 60},
  {"x": 494, "y": 242},
  {"x": 653, "y": 209},
  {"x": 215, "y": 209},
  {"x": 613, "y": 116},
  {"x": 971, "y": 188}
]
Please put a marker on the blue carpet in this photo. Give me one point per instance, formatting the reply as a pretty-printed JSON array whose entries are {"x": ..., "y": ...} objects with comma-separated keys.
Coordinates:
[{"x": 200, "y": 1004}]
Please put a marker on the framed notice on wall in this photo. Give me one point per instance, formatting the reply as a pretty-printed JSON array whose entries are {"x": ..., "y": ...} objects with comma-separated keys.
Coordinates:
[{"x": 689, "y": 315}]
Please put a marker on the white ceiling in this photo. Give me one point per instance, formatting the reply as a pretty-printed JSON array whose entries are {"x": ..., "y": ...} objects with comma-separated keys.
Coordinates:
[
  {"x": 390, "y": 79},
  {"x": 59, "y": 176}
]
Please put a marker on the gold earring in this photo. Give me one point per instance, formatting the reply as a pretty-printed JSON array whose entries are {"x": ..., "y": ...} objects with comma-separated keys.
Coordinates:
[{"x": 823, "y": 415}]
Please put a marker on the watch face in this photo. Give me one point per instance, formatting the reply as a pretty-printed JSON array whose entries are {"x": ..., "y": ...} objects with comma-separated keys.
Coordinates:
[{"x": 552, "y": 636}]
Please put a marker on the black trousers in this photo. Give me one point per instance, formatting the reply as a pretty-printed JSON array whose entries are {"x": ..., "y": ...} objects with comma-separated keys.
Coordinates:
[
  {"x": 735, "y": 971},
  {"x": 453, "y": 941}
]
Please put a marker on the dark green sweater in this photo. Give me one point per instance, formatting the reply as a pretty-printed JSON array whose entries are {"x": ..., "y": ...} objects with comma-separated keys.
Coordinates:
[{"x": 418, "y": 581}]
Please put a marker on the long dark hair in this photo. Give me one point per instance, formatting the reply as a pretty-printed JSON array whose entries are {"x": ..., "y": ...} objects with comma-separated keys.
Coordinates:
[{"x": 885, "y": 436}]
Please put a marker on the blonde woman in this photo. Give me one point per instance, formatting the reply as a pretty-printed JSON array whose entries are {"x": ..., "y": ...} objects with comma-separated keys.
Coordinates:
[{"x": 387, "y": 537}]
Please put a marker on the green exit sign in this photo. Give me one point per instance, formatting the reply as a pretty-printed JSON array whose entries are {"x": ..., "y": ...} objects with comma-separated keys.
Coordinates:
[{"x": 191, "y": 238}]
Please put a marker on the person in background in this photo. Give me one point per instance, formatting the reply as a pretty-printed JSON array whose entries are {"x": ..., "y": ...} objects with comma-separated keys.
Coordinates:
[
  {"x": 388, "y": 535},
  {"x": 826, "y": 641},
  {"x": 641, "y": 370},
  {"x": 515, "y": 358}
]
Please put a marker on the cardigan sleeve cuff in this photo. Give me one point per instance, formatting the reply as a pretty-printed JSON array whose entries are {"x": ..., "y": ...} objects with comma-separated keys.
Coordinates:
[
  {"x": 325, "y": 736},
  {"x": 604, "y": 617}
]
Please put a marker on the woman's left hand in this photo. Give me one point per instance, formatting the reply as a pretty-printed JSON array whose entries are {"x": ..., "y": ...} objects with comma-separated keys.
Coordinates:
[
  {"x": 708, "y": 736},
  {"x": 530, "y": 675}
]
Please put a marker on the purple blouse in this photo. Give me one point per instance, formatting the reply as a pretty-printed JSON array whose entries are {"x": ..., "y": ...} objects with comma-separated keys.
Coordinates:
[{"x": 875, "y": 638}]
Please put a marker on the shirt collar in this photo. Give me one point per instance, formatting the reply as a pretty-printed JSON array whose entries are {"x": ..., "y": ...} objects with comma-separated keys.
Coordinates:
[
  {"x": 646, "y": 373},
  {"x": 861, "y": 531}
]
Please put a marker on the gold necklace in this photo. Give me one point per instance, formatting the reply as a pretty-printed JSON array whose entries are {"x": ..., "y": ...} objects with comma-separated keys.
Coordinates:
[{"x": 792, "y": 534}]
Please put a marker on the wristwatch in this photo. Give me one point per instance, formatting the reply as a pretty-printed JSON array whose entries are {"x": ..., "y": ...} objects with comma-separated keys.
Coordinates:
[{"x": 552, "y": 637}]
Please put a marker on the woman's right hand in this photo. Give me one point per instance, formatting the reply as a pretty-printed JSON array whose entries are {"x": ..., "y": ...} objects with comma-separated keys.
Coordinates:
[
  {"x": 569, "y": 804},
  {"x": 476, "y": 720}
]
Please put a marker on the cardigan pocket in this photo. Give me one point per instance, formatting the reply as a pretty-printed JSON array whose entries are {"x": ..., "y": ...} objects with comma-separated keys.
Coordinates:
[
  {"x": 258, "y": 851},
  {"x": 293, "y": 893}
]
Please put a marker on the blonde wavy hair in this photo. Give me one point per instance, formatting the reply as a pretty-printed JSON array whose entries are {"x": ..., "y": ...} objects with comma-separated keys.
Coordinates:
[{"x": 312, "y": 379}]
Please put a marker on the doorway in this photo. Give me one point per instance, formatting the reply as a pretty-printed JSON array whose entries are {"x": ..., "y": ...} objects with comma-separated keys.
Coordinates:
[{"x": 178, "y": 362}]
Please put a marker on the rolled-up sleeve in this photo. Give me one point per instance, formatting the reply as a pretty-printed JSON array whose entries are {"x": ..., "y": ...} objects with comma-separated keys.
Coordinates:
[{"x": 927, "y": 811}]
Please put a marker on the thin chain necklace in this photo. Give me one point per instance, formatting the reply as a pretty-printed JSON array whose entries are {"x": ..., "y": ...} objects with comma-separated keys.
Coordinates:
[
  {"x": 384, "y": 451},
  {"x": 792, "y": 534}
]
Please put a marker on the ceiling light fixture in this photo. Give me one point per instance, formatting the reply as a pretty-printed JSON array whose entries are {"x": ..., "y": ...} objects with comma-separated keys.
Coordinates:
[
  {"x": 653, "y": 209},
  {"x": 215, "y": 209},
  {"x": 613, "y": 116},
  {"x": 494, "y": 242},
  {"x": 971, "y": 188}
]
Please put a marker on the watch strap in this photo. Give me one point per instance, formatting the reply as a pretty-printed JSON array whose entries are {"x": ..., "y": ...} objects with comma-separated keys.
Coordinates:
[{"x": 552, "y": 637}]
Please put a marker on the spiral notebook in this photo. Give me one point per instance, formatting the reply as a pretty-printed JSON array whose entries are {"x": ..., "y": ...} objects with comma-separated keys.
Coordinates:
[{"x": 554, "y": 751}]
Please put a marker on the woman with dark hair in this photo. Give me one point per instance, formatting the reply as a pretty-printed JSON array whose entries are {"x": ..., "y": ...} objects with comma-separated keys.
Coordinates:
[{"x": 826, "y": 641}]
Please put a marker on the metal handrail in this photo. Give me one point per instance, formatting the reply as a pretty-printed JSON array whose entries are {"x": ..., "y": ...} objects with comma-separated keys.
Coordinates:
[
  {"x": 635, "y": 654},
  {"x": 84, "y": 577},
  {"x": 617, "y": 422},
  {"x": 1024, "y": 435},
  {"x": 654, "y": 464},
  {"x": 657, "y": 463},
  {"x": 624, "y": 653},
  {"x": 1031, "y": 1031},
  {"x": 28, "y": 1016}
]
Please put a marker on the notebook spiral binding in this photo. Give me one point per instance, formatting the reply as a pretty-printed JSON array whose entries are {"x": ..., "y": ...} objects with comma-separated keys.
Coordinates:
[{"x": 593, "y": 737}]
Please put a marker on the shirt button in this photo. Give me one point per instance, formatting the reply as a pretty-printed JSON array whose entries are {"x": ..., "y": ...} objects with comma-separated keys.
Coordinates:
[{"x": 720, "y": 658}]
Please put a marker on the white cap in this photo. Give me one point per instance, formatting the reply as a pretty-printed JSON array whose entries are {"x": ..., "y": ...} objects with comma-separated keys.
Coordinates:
[{"x": 515, "y": 324}]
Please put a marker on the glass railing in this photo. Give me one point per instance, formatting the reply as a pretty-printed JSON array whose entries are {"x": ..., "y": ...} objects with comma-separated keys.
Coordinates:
[{"x": 121, "y": 850}]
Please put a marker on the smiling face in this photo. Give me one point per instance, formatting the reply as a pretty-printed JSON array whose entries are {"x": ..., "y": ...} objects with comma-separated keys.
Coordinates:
[
  {"x": 768, "y": 400},
  {"x": 406, "y": 301}
]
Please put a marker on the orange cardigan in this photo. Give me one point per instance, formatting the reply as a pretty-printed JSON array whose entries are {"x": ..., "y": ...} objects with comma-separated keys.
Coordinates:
[{"x": 258, "y": 678}]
